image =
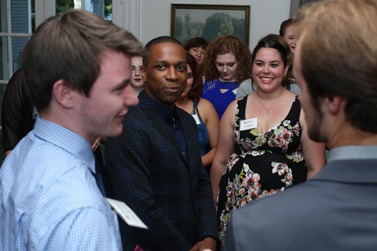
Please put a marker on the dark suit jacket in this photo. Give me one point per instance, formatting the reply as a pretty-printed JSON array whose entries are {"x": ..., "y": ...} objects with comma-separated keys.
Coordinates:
[
  {"x": 336, "y": 210},
  {"x": 172, "y": 197}
]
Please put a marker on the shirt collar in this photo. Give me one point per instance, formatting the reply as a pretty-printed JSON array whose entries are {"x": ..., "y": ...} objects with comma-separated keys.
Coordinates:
[
  {"x": 64, "y": 138},
  {"x": 352, "y": 152},
  {"x": 161, "y": 110}
]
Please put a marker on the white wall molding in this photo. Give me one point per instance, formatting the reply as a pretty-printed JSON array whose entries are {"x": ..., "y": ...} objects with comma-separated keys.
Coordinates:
[
  {"x": 126, "y": 14},
  {"x": 43, "y": 10}
]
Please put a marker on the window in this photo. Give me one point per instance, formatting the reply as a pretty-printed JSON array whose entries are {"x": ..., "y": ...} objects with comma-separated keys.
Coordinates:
[
  {"x": 102, "y": 8},
  {"x": 18, "y": 24},
  {"x": 16, "y": 27}
]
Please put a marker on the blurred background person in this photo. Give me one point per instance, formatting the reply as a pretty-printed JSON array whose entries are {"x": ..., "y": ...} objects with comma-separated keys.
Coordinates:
[
  {"x": 18, "y": 112},
  {"x": 137, "y": 81},
  {"x": 226, "y": 65},
  {"x": 202, "y": 111},
  {"x": 287, "y": 32},
  {"x": 263, "y": 145},
  {"x": 196, "y": 47},
  {"x": 337, "y": 72}
]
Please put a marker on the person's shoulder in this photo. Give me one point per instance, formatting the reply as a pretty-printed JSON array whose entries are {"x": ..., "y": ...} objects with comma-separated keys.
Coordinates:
[
  {"x": 295, "y": 88},
  {"x": 135, "y": 114},
  {"x": 292, "y": 95},
  {"x": 233, "y": 105},
  {"x": 52, "y": 174},
  {"x": 244, "y": 89},
  {"x": 205, "y": 103},
  {"x": 76, "y": 189},
  {"x": 246, "y": 82},
  {"x": 281, "y": 213},
  {"x": 291, "y": 200}
]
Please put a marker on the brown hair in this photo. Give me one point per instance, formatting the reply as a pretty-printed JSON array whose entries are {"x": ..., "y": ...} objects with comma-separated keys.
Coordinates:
[
  {"x": 342, "y": 61},
  {"x": 285, "y": 24},
  {"x": 195, "y": 42},
  {"x": 197, "y": 85},
  {"x": 278, "y": 43},
  {"x": 70, "y": 46},
  {"x": 223, "y": 45}
]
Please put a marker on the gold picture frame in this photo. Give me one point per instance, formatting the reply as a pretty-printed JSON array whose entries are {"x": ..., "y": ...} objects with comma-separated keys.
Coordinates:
[{"x": 209, "y": 21}]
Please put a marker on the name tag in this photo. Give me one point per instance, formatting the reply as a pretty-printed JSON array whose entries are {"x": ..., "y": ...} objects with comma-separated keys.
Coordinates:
[
  {"x": 196, "y": 117},
  {"x": 235, "y": 91},
  {"x": 248, "y": 124},
  {"x": 126, "y": 213}
]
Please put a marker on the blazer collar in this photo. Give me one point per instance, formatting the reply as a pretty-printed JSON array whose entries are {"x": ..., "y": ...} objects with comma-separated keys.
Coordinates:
[
  {"x": 350, "y": 171},
  {"x": 158, "y": 122}
]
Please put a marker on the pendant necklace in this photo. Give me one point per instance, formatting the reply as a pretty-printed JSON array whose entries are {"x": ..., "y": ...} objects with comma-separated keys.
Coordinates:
[{"x": 268, "y": 109}]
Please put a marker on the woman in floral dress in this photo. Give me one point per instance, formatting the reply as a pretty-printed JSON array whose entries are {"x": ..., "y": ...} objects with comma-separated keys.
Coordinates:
[{"x": 263, "y": 146}]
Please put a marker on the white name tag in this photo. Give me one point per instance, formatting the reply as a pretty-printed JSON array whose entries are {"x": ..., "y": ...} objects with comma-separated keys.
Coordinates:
[
  {"x": 196, "y": 117},
  {"x": 126, "y": 213},
  {"x": 248, "y": 124},
  {"x": 235, "y": 91}
]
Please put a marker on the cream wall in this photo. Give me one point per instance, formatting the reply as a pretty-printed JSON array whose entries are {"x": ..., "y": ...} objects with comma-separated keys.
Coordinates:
[{"x": 265, "y": 16}]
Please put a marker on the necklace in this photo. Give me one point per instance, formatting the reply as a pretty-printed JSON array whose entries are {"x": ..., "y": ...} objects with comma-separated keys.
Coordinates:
[{"x": 268, "y": 109}]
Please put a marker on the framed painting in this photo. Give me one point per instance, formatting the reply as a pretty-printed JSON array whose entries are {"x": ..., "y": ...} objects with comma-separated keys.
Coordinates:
[{"x": 209, "y": 21}]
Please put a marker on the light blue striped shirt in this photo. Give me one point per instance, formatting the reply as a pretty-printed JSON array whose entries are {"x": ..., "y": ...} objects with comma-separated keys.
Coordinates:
[{"x": 49, "y": 196}]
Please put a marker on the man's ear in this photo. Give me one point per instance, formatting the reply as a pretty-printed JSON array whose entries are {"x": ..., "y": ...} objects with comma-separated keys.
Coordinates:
[
  {"x": 334, "y": 104},
  {"x": 144, "y": 73},
  {"x": 63, "y": 94}
]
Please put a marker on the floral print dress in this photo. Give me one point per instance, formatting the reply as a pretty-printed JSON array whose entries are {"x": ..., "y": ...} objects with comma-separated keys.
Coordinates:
[{"x": 261, "y": 164}]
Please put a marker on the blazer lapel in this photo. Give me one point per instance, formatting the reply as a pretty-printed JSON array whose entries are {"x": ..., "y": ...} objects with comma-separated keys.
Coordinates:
[{"x": 159, "y": 124}]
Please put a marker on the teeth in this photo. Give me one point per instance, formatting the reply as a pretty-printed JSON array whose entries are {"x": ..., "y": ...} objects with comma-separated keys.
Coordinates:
[{"x": 266, "y": 79}]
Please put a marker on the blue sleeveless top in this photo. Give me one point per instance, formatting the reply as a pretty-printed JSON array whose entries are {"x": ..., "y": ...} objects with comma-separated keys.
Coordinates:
[{"x": 212, "y": 92}]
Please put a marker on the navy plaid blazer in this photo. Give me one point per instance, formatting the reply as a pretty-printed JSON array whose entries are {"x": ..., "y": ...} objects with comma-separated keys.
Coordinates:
[{"x": 171, "y": 196}]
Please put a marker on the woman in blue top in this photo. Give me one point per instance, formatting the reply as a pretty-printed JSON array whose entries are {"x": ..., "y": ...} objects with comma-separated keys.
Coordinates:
[
  {"x": 227, "y": 64},
  {"x": 202, "y": 111}
]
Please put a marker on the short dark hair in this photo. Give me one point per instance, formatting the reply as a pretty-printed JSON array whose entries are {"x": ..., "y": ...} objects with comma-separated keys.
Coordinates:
[
  {"x": 278, "y": 43},
  {"x": 197, "y": 85},
  {"x": 342, "y": 61},
  {"x": 70, "y": 46},
  {"x": 157, "y": 40},
  {"x": 195, "y": 42}
]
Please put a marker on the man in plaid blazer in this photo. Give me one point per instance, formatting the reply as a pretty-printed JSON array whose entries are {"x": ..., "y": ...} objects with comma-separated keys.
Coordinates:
[{"x": 155, "y": 165}]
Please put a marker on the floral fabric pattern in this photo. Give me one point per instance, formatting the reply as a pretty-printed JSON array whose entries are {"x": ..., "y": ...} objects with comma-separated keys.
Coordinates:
[{"x": 261, "y": 164}]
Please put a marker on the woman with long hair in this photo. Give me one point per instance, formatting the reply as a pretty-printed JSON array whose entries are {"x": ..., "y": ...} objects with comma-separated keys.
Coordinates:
[
  {"x": 263, "y": 143},
  {"x": 226, "y": 65},
  {"x": 202, "y": 111}
]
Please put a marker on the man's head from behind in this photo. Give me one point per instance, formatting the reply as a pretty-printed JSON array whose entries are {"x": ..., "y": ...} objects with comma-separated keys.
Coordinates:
[
  {"x": 165, "y": 70},
  {"x": 338, "y": 58},
  {"x": 71, "y": 46}
]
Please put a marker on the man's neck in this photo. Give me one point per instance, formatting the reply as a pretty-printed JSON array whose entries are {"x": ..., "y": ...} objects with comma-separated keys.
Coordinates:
[
  {"x": 352, "y": 136},
  {"x": 65, "y": 118}
]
